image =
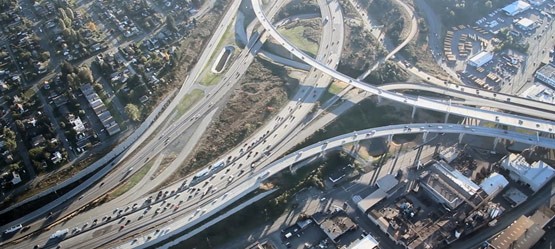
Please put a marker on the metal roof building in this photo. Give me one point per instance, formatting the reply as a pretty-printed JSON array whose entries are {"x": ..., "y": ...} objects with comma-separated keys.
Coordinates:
[
  {"x": 480, "y": 59},
  {"x": 546, "y": 74},
  {"x": 384, "y": 184},
  {"x": 494, "y": 184},
  {"x": 535, "y": 175},
  {"x": 368, "y": 242},
  {"x": 447, "y": 185},
  {"x": 516, "y": 8},
  {"x": 526, "y": 24}
]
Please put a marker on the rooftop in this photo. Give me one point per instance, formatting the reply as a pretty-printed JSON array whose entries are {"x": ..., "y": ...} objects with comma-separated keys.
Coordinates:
[
  {"x": 523, "y": 233},
  {"x": 368, "y": 242},
  {"x": 535, "y": 175},
  {"x": 525, "y": 22},
  {"x": 494, "y": 184},
  {"x": 337, "y": 224},
  {"x": 516, "y": 7},
  {"x": 449, "y": 184},
  {"x": 547, "y": 71}
]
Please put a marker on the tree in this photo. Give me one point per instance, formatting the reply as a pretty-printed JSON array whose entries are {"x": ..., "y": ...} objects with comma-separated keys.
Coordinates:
[
  {"x": 69, "y": 13},
  {"x": 133, "y": 112},
  {"x": 14, "y": 166},
  {"x": 85, "y": 74},
  {"x": 67, "y": 68},
  {"x": 35, "y": 152},
  {"x": 98, "y": 88},
  {"x": 170, "y": 22},
  {"x": 20, "y": 125},
  {"x": 11, "y": 145}
]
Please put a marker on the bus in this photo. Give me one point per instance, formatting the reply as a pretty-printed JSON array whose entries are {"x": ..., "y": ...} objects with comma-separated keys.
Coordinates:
[{"x": 216, "y": 166}]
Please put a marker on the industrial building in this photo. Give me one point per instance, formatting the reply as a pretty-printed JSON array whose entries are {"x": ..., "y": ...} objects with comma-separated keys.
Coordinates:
[
  {"x": 546, "y": 74},
  {"x": 385, "y": 184},
  {"x": 367, "y": 242},
  {"x": 448, "y": 186},
  {"x": 494, "y": 184},
  {"x": 480, "y": 59},
  {"x": 535, "y": 175},
  {"x": 449, "y": 154},
  {"x": 522, "y": 234},
  {"x": 526, "y": 24},
  {"x": 337, "y": 225},
  {"x": 516, "y": 8}
]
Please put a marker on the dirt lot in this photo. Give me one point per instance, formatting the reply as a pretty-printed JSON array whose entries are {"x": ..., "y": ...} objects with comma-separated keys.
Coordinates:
[{"x": 260, "y": 94}]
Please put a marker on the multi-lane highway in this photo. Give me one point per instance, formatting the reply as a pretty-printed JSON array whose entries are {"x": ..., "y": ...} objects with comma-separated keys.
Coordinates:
[
  {"x": 152, "y": 147},
  {"x": 253, "y": 179},
  {"x": 234, "y": 72},
  {"x": 420, "y": 102},
  {"x": 481, "y": 98},
  {"x": 245, "y": 165}
]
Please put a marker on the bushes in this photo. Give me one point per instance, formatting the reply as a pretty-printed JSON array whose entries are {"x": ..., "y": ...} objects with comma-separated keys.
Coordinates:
[
  {"x": 298, "y": 7},
  {"x": 455, "y": 12}
]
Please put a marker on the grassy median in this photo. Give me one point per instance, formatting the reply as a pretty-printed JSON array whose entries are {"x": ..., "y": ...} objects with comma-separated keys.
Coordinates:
[
  {"x": 131, "y": 181},
  {"x": 296, "y": 35},
  {"x": 188, "y": 101}
]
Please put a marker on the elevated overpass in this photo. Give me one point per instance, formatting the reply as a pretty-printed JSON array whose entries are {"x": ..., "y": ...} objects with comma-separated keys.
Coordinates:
[
  {"x": 479, "y": 97},
  {"x": 535, "y": 124},
  {"x": 251, "y": 182}
]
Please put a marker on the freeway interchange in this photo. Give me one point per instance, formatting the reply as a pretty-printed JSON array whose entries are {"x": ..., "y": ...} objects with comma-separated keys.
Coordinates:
[{"x": 147, "y": 219}]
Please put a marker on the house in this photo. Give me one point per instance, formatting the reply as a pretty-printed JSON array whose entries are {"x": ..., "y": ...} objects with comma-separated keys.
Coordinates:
[{"x": 38, "y": 140}]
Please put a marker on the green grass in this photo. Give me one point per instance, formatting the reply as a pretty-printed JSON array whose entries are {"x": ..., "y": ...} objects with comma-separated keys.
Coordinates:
[
  {"x": 29, "y": 93},
  {"x": 131, "y": 181},
  {"x": 188, "y": 101},
  {"x": 210, "y": 78},
  {"x": 295, "y": 36},
  {"x": 336, "y": 87}
]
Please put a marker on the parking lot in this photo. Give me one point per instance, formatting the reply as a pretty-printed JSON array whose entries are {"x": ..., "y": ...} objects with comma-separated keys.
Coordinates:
[{"x": 508, "y": 66}]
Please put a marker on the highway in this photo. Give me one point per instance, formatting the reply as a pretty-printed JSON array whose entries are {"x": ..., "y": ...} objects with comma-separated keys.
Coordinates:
[
  {"x": 478, "y": 97},
  {"x": 234, "y": 191},
  {"x": 143, "y": 155},
  {"x": 252, "y": 153},
  {"x": 413, "y": 30},
  {"x": 153, "y": 150},
  {"x": 420, "y": 102}
]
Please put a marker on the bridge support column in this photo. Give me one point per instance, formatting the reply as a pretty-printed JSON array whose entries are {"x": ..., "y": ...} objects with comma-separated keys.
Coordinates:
[
  {"x": 379, "y": 99},
  {"x": 354, "y": 149},
  {"x": 461, "y": 137},
  {"x": 413, "y": 112},
  {"x": 446, "y": 117},
  {"x": 495, "y": 142},
  {"x": 424, "y": 137},
  {"x": 389, "y": 138},
  {"x": 416, "y": 162}
]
